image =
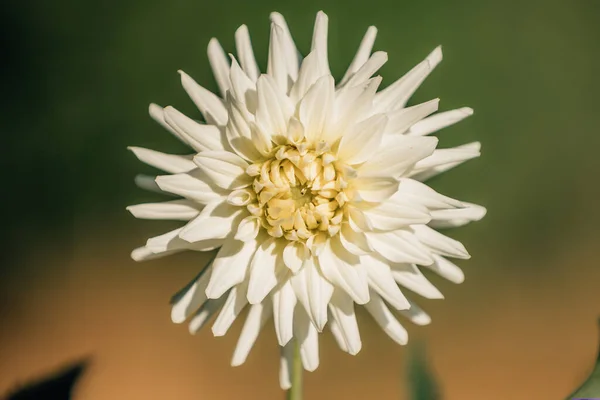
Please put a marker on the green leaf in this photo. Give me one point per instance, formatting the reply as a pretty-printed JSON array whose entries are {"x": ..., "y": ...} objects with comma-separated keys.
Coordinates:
[
  {"x": 422, "y": 381},
  {"x": 591, "y": 387}
]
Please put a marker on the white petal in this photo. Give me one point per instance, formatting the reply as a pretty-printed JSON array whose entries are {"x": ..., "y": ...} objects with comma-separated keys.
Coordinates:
[
  {"x": 243, "y": 89},
  {"x": 292, "y": 56},
  {"x": 409, "y": 276},
  {"x": 337, "y": 334},
  {"x": 182, "y": 210},
  {"x": 343, "y": 269},
  {"x": 382, "y": 281},
  {"x": 314, "y": 292},
  {"x": 230, "y": 267},
  {"x": 148, "y": 183},
  {"x": 398, "y": 156},
  {"x": 225, "y": 169},
  {"x": 264, "y": 271},
  {"x": 367, "y": 70},
  {"x": 205, "y": 312},
  {"x": 362, "y": 55},
  {"x": 439, "y": 121},
  {"x": 451, "y": 218},
  {"x": 316, "y": 106},
  {"x": 248, "y": 229},
  {"x": 351, "y": 105},
  {"x": 191, "y": 297},
  {"x": 419, "y": 192},
  {"x": 286, "y": 361},
  {"x": 361, "y": 142},
  {"x": 274, "y": 109},
  {"x": 241, "y": 197},
  {"x": 446, "y": 269},
  {"x": 444, "y": 159},
  {"x": 198, "y": 136},
  {"x": 167, "y": 162},
  {"x": 397, "y": 94},
  {"x": 144, "y": 254},
  {"x": 309, "y": 73},
  {"x": 276, "y": 64},
  {"x": 216, "y": 221},
  {"x": 219, "y": 64},
  {"x": 386, "y": 320},
  {"x": 375, "y": 189},
  {"x": 401, "y": 120},
  {"x": 209, "y": 104},
  {"x": 392, "y": 215},
  {"x": 256, "y": 319},
  {"x": 191, "y": 185},
  {"x": 245, "y": 52},
  {"x": 342, "y": 313},
  {"x": 399, "y": 247},
  {"x": 319, "y": 42},
  {"x": 307, "y": 336},
  {"x": 440, "y": 243},
  {"x": 355, "y": 242},
  {"x": 157, "y": 114},
  {"x": 357, "y": 220},
  {"x": 170, "y": 242},
  {"x": 238, "y": 130},
  {"x": 416, "y": 315},
  {"x": 235, "y": 303},
  {"x": 284, "y": 304},
  {"x": 294, "y": 255}
]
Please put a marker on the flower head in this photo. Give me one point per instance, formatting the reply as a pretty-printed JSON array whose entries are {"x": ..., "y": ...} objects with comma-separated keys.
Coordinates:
[{"x": 310, "y": 193}]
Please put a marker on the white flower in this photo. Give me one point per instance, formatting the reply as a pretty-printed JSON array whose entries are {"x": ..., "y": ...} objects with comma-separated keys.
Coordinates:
[{"x": 311, "y": 193}]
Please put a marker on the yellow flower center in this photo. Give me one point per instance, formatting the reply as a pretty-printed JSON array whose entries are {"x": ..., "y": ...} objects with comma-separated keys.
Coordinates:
[{"x": 299, "y": 193}]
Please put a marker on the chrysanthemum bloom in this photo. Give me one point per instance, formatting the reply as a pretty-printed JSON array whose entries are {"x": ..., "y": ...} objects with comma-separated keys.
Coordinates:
[{"x": 309, "y": 192}]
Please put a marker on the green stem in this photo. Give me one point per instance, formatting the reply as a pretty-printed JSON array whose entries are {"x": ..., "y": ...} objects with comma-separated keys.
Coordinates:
[{"x": 295, "y": 392}]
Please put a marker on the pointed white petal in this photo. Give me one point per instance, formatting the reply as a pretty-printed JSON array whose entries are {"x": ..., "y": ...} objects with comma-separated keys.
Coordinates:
[
  {"x": 362, "y": 55},
  {"x": 230, "y": 267},
  {"x": 215, "y": 221},
  {"x": 264, "y": 271},
  {"x": 144, "y": 254},
  {"x": 397, "y": 94},
  {"x": 337, "y": 334},
  {"x": 391, "y": 215},
  {"x": 243, "y": 89},
  {"x": 401, "y": 120},
  {"x": 355, "y": 242},
  {"x": 200, "y": 137},
  {"x": 439, "y": 121},
  {"x": 316, "y": 106},
  {"x": 256, "y": 319},
  {"x": 170, "y": 242},
  {"x": 235, "y": 303},
  {"x": 361, "y": 142},
  {"x": 209, "y": 104},
  {"x": 409, "y": 276},
  {"x": 400, "y": 247},
  {"x": 274, "y": 109},
  {"x": 440, "y": 243},
  {"x": 386, "y": 320},
  {"x": 191, "y": 297},
  {"x": 309, "y": 73},
  {"x": 319, "y": 42},
  {"x": 284, "y": 304},
  {"x": 167, "y": 162},
  {"x": 294, "y": 255},
  {"x": 225, "y": 169},
  {"x": 343, "y": 269},
  {"x": 366, "y": 71},
  {"x": 245, "y": 53},
  {"x": 291, "y": 54},
  {"x": 444, "y": 159},
  {"x": 182, "y": 210},
  {"x": 238, "y": 131},
  {"x": 447, "y": 269},
  {"x": 307, "y": 336},
  {"x": 416, "y": 191},
  {"x": 352, "y": 105},
  {"x": 342, "y": 313},
  {"x": 382, "y": 281},
  {"x": 276, "y": 64},
  {"x": 157, "y": 114},
  {"x": 191, "y": 185},
  {"x": 398, "y": 155},
  {"x": 451, "y": 218},
  {"x": 314, "y": 292},
  {"x": 248, "y": 229},
  {"x": 208, "y": 309},
  {"x": 219, "y": 64}
]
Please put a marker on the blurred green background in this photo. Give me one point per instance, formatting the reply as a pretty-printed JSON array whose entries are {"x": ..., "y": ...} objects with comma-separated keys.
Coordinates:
[{"x": 77, "y": 77}]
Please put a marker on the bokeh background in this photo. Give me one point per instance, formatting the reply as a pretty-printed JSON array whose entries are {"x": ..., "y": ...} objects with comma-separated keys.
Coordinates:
[{"x": 77, "y": 76}]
